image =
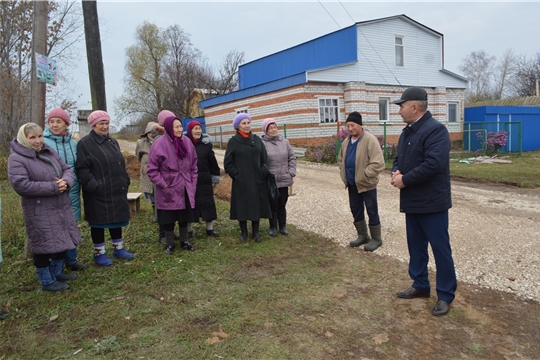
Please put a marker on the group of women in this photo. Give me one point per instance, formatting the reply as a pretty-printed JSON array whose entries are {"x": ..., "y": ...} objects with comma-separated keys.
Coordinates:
[{"x": 46, "y": 168}]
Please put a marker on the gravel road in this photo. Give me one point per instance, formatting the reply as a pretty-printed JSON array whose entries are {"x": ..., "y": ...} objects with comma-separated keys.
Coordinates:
[{"x": 493, "y": 228}]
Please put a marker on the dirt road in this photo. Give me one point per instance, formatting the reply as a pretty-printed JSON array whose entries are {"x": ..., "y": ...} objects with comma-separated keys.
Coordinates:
[{"x": 493, "y": 229}]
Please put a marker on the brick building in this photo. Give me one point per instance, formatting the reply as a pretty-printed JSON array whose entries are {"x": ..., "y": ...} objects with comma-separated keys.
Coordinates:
[{"x": 313, "y": 86}]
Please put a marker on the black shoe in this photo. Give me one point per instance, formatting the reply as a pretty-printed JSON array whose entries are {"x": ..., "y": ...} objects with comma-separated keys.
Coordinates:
[
  {"x": 243, "y": 236},
  {"x": 212, "y": 232},
  {"x": 283, "y": 230},
  {"x": 65, "y": 277},
  {"x": 412, "y": 293},
  {"x": 272, "y": 232},
  {"x": 4, "y": 316},
  {"x": 186, "y": 245},
  {"x": 77, "y": 266},
  {"x": 441, "y": 308},
  {"x": 169, "y": 250}
]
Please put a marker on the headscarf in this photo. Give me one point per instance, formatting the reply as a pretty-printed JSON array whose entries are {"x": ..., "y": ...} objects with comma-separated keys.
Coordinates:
[
  {"x": 21, "y": 135},
  {"x": 179, "y": 146},
  {"x": 190, "y": 127}
]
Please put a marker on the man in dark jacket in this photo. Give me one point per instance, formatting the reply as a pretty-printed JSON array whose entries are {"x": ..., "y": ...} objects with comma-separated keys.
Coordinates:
[{"x": 421, "y": 171}]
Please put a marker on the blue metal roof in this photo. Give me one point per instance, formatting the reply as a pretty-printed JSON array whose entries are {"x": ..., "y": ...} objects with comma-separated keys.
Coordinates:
[
  {"x": 255, "y": 90},
  {"x": 339, "y": 47}
]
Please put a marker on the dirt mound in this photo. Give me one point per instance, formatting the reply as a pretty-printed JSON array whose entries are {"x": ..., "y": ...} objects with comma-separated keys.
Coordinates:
[
  {"x": 223, "y": 189},
  {"x": 133, "y": 166}
]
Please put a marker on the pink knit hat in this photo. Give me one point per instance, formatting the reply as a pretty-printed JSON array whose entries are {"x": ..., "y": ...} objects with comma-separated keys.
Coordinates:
[
  {"x": 266, "y": 123},
  {"x": 60, "y": 114},
  {"x": 163, "y": 115},
  {"x": 97, "y": 116}
]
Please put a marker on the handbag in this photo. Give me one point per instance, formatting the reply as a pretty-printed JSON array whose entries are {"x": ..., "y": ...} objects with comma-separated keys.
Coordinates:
[{"x": 273, "y": 192}]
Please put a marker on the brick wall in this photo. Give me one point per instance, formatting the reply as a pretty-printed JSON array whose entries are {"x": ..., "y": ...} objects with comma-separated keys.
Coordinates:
[{"x": 297, "y": 107}]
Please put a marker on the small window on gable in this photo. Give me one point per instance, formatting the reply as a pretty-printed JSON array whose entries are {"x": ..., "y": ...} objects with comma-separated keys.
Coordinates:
[
  {"x": 328, "y": 110},
  {"x": 399, "y": 51},
  {"x": 453, "y": 111},
  {"x": 383, "y": 109},
  {"x": 245, "y": 111}
]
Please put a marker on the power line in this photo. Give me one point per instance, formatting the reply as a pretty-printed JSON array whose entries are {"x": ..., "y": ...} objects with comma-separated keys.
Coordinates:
[{"x": 375, "y": 50}]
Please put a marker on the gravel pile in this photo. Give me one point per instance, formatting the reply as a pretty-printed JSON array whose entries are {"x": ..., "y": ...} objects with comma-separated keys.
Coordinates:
[{"x": 493, "y": 230}]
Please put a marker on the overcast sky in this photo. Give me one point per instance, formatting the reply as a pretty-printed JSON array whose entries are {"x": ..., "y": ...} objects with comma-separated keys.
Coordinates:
[{"x": 260, "y": 28}]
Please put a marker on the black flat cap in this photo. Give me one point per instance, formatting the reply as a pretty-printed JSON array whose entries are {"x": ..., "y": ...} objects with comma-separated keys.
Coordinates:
[{"x": 413, "y": 93}]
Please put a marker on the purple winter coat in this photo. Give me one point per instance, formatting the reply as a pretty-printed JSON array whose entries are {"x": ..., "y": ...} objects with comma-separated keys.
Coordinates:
[
  {"x": 50, "y": 222},
  {"x": 164, "y": 168}
]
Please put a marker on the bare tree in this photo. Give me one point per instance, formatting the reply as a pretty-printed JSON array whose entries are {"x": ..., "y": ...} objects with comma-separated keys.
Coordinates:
[
  {"x": 526, "y": 75},
  {"x": 479, "y": 68},
  {"x": 144, "y": 87},
  {"x": 503, "y": 74},
  {"x": 15, "y": 57}
]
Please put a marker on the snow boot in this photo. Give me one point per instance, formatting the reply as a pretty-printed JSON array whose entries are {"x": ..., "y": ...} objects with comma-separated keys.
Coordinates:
[{"x": 48, "y": 282}]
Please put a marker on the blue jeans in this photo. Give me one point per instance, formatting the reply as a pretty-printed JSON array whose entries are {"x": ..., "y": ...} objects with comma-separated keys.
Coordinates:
[
  {"x": 71, "y": 256},
  {"x": 433, "y": 229}
]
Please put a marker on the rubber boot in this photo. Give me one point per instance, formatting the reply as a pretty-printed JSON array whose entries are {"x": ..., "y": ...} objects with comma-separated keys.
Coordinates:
[
  {"x": 169, "y": 240},
  {"x": 102, "y": 259},
  {"x": 255, "y": 228},
  {"x": 363, "y": 237},
  {"x": 282, "y": 219},
  {"x": 48, "y": 282},
  {"x": 375, "y": 242},
  {"x": 273, "y": 225},
  {"x": 56, "y": 267},
  {"x": 243, "y": 231},
  {"x": 184, "y": 240}
]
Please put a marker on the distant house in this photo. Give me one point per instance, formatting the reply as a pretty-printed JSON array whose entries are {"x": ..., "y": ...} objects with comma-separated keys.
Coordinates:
[
  {"x": 312, "y": 86},
  {"x": 519, "y": 117}
]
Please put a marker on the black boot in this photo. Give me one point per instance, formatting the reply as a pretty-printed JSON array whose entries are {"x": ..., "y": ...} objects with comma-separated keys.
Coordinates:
[
  {"x": 255, "y": 228},
  {"x": 273, "y": 225},
  {"x": 184, "y": 240},
  {"x": 282, "y": 219},
  {"x": 244, "y": 232},
  {"x": 169, "y": 239}
]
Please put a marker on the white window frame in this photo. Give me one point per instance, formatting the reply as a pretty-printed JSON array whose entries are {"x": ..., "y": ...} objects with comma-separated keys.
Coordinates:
[
  {"x": 456, "y": 103},
  {"x": 328, "y": 106},
  {"x": 387, "y": 99},
  {"x": 399, "y": 48}
]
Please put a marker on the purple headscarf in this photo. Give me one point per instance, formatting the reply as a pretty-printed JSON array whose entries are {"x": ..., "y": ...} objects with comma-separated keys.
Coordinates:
[{"x": 178, "y": 141}]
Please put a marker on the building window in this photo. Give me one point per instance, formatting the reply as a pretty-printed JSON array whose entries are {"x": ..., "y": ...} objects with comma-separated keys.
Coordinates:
[
  {"x": 328, "y": 110},
  {"x": 399, "y": 51},
  {"x": 383, "y": 109},
  {"x": 245, "y": 111},
  {"x": 452, "y": 111}
]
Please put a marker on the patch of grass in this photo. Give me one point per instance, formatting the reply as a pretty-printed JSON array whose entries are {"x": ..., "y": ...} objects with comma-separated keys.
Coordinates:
[
  {"x": 523, "y": 172},
  {"x": 294, "y": 297}
]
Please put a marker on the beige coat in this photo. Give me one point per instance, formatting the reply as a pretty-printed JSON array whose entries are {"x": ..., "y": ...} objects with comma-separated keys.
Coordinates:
[
  {"x": 142, "y": 150},
  {"x": 369, "y": 162}
]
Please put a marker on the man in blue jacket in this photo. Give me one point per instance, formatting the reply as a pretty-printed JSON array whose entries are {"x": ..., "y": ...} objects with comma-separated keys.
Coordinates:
[{"x": 421, "y": 171}]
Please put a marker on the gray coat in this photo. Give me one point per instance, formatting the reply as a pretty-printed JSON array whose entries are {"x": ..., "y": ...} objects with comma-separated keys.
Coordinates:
[
  {"x": 50, "y": 222},
  {"x": 281, "y": 159}
]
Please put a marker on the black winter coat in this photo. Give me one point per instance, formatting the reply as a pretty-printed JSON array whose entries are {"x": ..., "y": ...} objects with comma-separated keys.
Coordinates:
[
  {"x": 246, "y": 163},
  {"x": 101, "y": 170},
  {"x": 423, "y": 158},
  {"x": 205, "y": 206}
]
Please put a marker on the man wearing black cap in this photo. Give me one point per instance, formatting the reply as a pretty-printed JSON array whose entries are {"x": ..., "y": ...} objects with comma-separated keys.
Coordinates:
[
  {"x": 360, "y": 162},
  {"x": 421, "y": 171}
]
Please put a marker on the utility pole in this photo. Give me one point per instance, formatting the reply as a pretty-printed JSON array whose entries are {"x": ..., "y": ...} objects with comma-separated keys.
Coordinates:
[
  {"x": 39, "y": 45},
  {"x": 93, "y": 54}
]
